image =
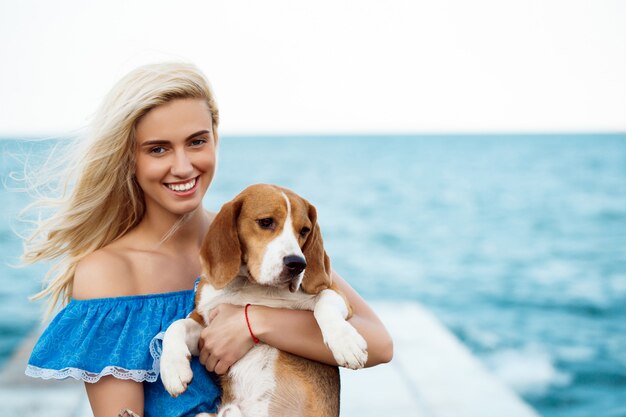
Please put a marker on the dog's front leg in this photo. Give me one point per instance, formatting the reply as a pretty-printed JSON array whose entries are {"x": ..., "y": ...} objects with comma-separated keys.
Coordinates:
[
  {"x": 347, "y": 345},
  {"x": 179, "y": 343}
]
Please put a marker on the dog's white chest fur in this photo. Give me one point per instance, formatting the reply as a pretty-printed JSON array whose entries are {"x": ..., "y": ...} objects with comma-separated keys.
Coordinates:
[{"x": 253, "y": 382}]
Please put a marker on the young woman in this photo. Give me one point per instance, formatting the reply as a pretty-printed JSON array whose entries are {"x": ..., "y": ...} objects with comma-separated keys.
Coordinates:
[{"x": 126, "y": 237}]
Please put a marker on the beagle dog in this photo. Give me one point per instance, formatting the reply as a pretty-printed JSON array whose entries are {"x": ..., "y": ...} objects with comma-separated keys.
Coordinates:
[{"x": 265, "y": 247}]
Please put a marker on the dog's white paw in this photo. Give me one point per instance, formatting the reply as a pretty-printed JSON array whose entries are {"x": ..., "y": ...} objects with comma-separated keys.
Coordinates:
[
  {"x": 347, "y": 345},
  {"x": 176, "y": 372}
]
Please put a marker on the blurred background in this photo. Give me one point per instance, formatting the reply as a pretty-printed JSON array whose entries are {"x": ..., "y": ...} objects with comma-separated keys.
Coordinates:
[{"x": 466, "y": 155}]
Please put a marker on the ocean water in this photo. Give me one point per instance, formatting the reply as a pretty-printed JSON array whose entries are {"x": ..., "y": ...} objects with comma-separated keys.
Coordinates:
[{"x": 516, "y": 242}]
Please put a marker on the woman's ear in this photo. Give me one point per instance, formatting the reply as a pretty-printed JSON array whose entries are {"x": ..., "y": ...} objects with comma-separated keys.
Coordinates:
[
  {"x": 317, "y": 272},
  {"x": 221, "y": 252}
]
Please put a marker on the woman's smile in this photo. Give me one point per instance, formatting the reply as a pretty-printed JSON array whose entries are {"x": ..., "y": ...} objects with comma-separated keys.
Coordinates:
[{"x": 183, "y": 188}]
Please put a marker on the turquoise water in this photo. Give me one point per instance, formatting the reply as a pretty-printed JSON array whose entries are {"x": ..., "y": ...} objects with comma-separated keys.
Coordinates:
[{"x": 518, "y": 243}]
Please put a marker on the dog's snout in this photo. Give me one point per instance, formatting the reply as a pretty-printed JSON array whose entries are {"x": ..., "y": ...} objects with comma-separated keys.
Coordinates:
[{"x": 294, "y": 263}]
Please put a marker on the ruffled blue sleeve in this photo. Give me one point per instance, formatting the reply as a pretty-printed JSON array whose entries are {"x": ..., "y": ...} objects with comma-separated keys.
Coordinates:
[
  {"x": 123, "y": 337},
  {"x": 89, "y": 339}
]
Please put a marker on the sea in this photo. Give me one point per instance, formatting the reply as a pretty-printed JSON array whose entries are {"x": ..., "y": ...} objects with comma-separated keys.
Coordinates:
[{"x": 516, "y": 242}]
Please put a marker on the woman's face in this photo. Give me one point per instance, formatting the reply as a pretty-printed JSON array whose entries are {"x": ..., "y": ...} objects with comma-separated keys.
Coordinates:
[{"x": 175, "y": 155}]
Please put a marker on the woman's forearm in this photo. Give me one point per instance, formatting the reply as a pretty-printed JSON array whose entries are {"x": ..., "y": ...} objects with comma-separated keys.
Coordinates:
[
  {"x": 297, "y": 332},
  {"x": 292, "y": 331}
]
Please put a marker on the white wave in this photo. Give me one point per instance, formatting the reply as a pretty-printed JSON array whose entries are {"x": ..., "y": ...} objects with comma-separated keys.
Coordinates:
[
  {"x": 575, "y": 353},
  {"x": 529, "y": 371},
  {"x": 617, "y": 284}
]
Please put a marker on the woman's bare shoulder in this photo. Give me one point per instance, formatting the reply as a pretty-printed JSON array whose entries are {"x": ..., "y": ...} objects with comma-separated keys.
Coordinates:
[{"x": 106, "y": 272}]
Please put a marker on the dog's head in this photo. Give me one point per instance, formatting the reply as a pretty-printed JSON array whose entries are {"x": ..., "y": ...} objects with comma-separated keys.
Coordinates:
[{"x": 272, "y": 233}]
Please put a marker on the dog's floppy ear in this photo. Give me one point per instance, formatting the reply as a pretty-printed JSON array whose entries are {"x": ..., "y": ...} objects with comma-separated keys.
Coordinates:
[
  {"x": 221, "y": 251},
  {"x": 317, "y": 272}
]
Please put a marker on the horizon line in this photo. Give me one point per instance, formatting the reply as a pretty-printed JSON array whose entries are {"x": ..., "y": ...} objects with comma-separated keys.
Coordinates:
[{"x": 296, "y": 134}]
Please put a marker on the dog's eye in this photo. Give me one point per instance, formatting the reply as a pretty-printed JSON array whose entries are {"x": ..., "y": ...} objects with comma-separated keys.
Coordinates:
[
  {"x": 266, "y": 223},
  {"x": 304, "y": 231}
]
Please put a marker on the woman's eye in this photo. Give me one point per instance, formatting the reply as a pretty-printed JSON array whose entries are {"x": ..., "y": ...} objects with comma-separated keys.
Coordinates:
[
  {"x": 304, "y": 231},
  {"x": 157, "y": 150},
  {"x": 198, "y": 142},
  {"x": 266, "y": 223}
]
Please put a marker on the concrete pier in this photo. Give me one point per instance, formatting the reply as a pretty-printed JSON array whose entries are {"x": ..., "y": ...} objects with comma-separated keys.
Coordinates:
[{"x": 432, "y": 375}]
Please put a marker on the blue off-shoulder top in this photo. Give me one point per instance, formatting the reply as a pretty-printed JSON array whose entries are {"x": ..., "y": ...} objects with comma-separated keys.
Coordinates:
[{"x": 123, "y": 336}]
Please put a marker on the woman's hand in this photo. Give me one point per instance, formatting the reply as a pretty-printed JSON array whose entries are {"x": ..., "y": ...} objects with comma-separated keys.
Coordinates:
[{"x": 226, "y": 339}]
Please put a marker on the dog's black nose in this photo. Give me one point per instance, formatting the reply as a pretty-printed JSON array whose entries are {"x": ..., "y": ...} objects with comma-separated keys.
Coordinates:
[{"x": 294, "y": 263}]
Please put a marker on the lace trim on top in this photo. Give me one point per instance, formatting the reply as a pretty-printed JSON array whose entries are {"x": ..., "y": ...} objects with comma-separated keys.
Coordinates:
[{"x": 136, "y": 375}]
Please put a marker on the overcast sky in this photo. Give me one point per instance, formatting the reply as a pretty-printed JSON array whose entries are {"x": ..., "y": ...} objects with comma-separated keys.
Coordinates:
[{"x": 328, "y": 65}]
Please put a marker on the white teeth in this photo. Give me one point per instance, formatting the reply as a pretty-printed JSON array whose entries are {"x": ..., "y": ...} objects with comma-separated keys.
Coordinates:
[{"x": 182, "y": 187}]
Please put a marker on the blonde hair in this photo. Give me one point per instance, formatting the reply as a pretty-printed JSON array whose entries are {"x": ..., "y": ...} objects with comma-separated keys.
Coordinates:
[{"x": 99, "y": 199}]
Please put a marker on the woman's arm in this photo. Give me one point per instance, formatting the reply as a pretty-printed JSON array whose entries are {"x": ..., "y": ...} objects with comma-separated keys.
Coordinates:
[
  {"x": 227, "y": 338},
  {"x": 109, "y": 396}
]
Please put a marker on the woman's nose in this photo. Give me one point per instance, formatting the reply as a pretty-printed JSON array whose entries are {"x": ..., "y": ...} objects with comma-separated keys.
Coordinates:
[{"x": 182, "y": 166}]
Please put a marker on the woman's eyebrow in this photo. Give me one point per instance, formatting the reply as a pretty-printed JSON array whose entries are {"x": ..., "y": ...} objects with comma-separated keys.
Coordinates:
[
  {"x": 155, "y": 142},
  {"x": 166, "y": 142},
  {"x": 198, "y": 133}
]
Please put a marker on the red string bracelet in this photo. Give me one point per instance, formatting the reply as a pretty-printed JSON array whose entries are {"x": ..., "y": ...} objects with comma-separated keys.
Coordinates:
[{"x": 245, "y": 311}]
